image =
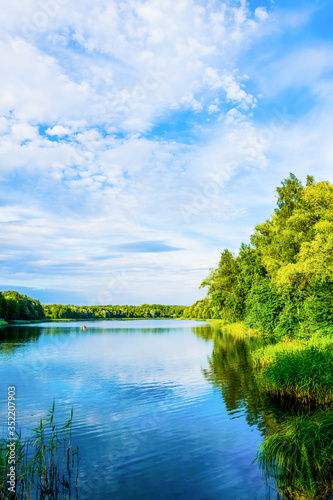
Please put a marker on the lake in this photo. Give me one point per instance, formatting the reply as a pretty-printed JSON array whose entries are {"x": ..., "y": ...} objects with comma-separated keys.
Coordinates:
[{"x": 163, "y": 409}]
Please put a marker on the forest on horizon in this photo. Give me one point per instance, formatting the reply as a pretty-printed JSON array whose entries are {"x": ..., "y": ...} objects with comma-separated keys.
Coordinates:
[{"x": 280, "y": 282}]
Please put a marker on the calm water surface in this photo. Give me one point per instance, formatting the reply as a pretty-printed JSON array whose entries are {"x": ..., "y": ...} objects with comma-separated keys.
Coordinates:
[{"x": 163, "y": 409}]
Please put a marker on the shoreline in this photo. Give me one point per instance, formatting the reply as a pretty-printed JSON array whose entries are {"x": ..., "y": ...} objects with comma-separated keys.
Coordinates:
[{"x": 66, "y": 320}]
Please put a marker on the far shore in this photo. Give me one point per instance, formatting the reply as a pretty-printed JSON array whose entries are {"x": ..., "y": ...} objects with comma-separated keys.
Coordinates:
[{"x": 62, "y": 320}]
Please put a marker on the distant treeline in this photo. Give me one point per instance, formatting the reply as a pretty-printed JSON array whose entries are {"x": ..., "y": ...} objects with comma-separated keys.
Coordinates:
[
  {"x": 14, "y": 306},
  {"x": 57, "y": 311},
  {"x": 282, "y": 282}
]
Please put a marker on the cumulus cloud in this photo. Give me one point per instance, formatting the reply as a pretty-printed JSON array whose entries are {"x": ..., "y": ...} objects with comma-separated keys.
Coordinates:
[
  {"x": 135, "y": 59},
  {"x": 58, "y": 130},
  {"x": 134, "y": 121}
]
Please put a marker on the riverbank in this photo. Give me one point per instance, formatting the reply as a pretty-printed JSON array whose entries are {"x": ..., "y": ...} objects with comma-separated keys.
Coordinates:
[
  {"x": 83, "y": 320},
  {"x": 300, "y": 370},
  {"x": 3, "y": 323},
  {"x": 239, "y": 328},
  {"x": 298, "y": 454}
]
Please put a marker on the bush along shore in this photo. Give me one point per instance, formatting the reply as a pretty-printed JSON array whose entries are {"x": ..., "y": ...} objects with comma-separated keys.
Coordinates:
[{"x": 281, "y": 286}]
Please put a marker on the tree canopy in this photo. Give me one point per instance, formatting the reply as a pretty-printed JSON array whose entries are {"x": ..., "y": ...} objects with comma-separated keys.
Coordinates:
[
  {"x": 14, "y": 306},
  {"x": 282, "y": 281}
]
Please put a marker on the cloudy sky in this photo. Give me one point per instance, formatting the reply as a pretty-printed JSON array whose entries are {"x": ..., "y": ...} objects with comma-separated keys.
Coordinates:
[{"x": 140, "y": 138}]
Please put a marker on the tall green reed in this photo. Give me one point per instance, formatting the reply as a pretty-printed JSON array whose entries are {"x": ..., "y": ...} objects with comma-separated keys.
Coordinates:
[{"x": 47, "y": 465}]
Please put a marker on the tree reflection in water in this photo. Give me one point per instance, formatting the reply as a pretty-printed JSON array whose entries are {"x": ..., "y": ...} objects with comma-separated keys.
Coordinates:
[
  {"x": 13, "y": 338},
  {"x": 232, "y": 372}
]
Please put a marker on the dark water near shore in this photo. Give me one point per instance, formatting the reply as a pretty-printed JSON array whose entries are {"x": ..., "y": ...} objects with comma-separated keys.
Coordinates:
[{"x": 163, "y": 409}]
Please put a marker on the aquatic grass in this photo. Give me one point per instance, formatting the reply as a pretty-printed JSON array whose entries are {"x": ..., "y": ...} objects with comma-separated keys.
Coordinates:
[
  {"x": 307, "y": 374},
  {"x": 268, "y": 354},
  {"x": 298, "y": 456},
  {"x": 45, "y": 462},
  {"x": 296, "y": 369}
]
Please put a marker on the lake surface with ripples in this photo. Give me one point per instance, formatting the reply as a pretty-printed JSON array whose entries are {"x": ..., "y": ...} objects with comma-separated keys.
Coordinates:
[{"x": 163, "y": 409}]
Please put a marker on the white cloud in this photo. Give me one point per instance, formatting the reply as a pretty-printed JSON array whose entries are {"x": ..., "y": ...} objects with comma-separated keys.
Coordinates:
[
  {"x": 213, "y": 108},
  {"x": 23, "y": 131},
  {"x": 58, "y": 130},
  {"x": 232, "y": 87},
  {"x": 138, "y": 58},
  {"x": 147, "y": 112},
  {"x": 261, "y": 13},
  {"x": 35, "y": 88}
]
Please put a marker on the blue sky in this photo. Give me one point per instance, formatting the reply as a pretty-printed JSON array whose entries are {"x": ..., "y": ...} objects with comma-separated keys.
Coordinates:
[{"x": 140, "y": 138}]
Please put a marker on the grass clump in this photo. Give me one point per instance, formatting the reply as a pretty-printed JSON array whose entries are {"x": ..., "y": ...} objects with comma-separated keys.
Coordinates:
[
  {"x": 46, "y": 463},
  {"x": 304, "y": 371},
  {"x": 270, "y": 353},
  {"x": 299, "y": 456}
]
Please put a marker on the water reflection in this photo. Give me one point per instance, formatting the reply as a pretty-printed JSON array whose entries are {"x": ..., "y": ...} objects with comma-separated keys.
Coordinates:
[
  {"x": 231, "y": 372},
  {"x": 147, "y": 406},
  {"x": 13, "y": 338}
]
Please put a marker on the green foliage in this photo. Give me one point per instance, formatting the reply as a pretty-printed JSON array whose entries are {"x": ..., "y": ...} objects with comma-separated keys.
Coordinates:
[
  {"x": 303, "y": 370},
  {"x": 145, "y": 311},
  {"x": 230, "y": 284},
  {"x": 263, "y": 306},
  {"x": 290, "y": 194},
  {"x": 299, "y": 454},
  {"x": 317, "y": 308},
  {"x": 14, "y": 306},
  {"x": 202, "y": 309},
  {"x": 281, "y": 283},
  {"x": 282, "y": 286}
]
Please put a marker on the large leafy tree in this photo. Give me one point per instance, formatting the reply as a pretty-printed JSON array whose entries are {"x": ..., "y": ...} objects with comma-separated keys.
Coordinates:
[{"x": 282, "y": 282}]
